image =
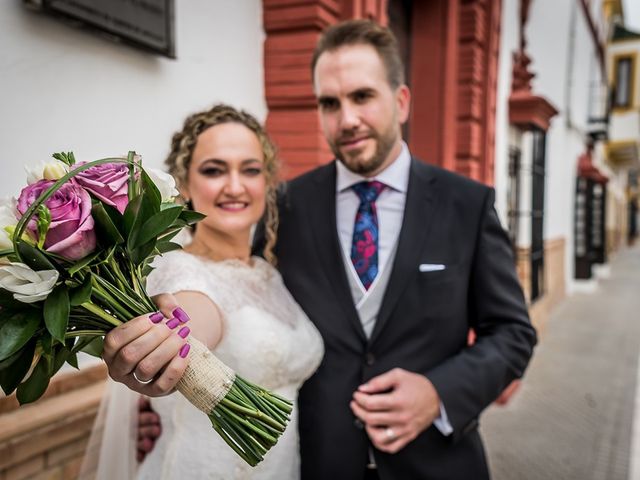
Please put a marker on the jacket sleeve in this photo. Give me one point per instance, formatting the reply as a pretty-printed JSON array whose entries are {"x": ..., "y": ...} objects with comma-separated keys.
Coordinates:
[{"x": 472, "y": 379}]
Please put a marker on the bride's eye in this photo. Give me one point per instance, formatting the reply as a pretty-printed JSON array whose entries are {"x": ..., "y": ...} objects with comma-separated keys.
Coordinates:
[
  {"x": 253, "y": 171},
  {"x": 211, "y": 172}
]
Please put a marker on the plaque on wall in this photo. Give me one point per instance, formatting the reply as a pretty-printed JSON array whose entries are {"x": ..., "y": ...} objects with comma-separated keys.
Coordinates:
[{"x": 146, "y": 24}]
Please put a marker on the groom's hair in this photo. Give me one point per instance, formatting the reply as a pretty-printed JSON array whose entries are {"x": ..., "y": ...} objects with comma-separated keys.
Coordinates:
[{"x": 363, "y": 32}]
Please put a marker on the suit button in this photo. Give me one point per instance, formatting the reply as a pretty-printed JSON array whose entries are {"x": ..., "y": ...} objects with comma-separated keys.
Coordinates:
[
  {"x": 370, "y": 359},
  {"x": 358, "y": 424}
]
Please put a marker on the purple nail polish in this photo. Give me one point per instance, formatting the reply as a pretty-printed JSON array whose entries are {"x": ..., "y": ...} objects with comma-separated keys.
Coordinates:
[
  {"x": 173, "y": 323},
  {"x": 156, "y": 317},
  {"x": 185, "y": 350},
  {"x": 181, "y": 315},
  {"x": 184, "y": 331}
]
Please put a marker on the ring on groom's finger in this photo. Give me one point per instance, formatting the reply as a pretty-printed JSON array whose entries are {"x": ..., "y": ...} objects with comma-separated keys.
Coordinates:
[
  {"x": 143, "y": 382},
  {"x": 390, "y": 434}
]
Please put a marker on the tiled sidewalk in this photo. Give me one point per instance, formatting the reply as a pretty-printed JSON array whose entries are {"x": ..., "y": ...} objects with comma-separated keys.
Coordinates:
[{"x": 572, "y": 418}]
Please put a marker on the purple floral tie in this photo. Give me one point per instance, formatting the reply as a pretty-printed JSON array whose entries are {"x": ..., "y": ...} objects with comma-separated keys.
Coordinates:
[{"x": 364, "y": 247}]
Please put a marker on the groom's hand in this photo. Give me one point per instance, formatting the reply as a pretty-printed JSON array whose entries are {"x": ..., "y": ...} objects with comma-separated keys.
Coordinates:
[
  {"x": 149, "y": 428},
  {"x": 396, "y": 407}
]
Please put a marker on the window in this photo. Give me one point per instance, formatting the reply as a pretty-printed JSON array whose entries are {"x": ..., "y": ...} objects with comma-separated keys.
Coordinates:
[
  {"x": 623, "y": 82},
  {"x": 513, "y": 197},
  {"x": 537, "y": 214}
]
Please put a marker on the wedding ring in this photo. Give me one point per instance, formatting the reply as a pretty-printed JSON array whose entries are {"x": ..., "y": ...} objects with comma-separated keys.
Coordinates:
[
  {"x": 389, "y": 434},
  {"x": 146, "y": 382}
]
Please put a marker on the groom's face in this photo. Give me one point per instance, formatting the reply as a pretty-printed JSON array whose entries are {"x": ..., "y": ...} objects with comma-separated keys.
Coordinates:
[{"x": 361, "y": 114}]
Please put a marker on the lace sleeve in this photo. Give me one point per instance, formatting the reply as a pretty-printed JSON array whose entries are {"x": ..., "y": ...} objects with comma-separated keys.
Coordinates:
[{"x": 179, "y": 271}]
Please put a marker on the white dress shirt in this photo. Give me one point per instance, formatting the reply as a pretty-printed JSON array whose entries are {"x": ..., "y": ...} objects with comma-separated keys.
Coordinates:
[
  {"x": 390, "y": 209},
  {"x": 389, "y": 206}
]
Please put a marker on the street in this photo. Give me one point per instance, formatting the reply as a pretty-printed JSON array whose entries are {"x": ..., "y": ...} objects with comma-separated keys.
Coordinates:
[{"x": 573, "y": 415}]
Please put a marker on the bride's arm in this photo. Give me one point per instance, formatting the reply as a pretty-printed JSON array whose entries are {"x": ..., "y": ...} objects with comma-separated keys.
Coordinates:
[{"x": 154, "y": 346}]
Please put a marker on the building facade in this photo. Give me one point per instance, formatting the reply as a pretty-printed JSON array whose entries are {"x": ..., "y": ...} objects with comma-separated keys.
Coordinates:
[{"x": 539, "y": 98}]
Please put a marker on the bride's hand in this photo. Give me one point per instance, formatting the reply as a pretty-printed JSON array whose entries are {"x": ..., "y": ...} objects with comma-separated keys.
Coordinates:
[{"x": 149, "y": 353}]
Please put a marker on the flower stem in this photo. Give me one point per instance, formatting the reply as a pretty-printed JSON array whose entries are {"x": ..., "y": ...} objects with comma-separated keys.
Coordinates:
[
  {"x": 84, "y": 333},
  {"x": 93, "y": 308}
]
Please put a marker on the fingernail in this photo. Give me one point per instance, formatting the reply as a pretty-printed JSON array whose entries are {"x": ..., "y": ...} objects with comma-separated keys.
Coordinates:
[
  {"x": 181, "y": 315},
  {"x": 184, "y": 331},
  {"x": 173, "y": 323},
  {"x": 156, "y": 317},
  {"x": 185, "y": 350}
]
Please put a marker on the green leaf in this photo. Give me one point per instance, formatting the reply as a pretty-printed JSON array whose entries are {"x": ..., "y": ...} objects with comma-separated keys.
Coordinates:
[
  {"x": 84, "y": 262},
  {"x": 34, "y": 258},
  {"x": 72, "y": 360},
  {"x": 82, "y": 293},
  {"x": 153, "y": 227},
  {"x": 147, "y": 208},
  {"x": 130, "y": 214},
  {"x": 191, "y": 217},
  {"x": 164, "y": 247},
  {"x": 150, "y": 188},
  {"x": 146, "y": 270},
  {"x": 17, "y": 327},
  {"x": 14, "y": 368},
  {"x": 140, "y": 254},
  {"x": 56, "y": 312},
  {"x": 33, "y": 388},
  {"x": 8, "y": 301},
  {"x": 46, "y": 340},
  {"x": 67, "y": 158},
  {"x": 94, "y": 347},
  {"x": 62, "y": 355},
  {"x": 107, "y": 232}
]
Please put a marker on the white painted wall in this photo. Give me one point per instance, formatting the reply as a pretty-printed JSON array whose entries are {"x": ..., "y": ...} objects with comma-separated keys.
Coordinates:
[
  {"x": 66, "y": 89},
  {"x": 509, "y": 37},
  {"x": 625, "y": 127},
  {"x": 564, "y": 60}
]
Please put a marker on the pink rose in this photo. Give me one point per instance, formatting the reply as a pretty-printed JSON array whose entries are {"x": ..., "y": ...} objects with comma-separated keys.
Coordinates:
[
  {"x": 71, "y": 233},
  {"x": 108, "y": 182}
]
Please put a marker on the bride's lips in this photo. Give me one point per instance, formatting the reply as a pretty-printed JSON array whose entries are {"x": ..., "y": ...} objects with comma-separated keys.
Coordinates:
[{"x": 232, "y": 206}]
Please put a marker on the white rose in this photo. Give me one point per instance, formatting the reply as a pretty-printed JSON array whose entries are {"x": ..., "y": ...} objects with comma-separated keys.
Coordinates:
[
  {"x": 8, "y": 220},
  {"x": 165, "y": 183},
  {"x": 52, "y": 170},
  {"x": 27, "y": 285}
]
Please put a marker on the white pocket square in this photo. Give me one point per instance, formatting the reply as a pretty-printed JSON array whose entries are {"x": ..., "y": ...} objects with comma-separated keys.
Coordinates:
[{"x": 431, "y": 267}]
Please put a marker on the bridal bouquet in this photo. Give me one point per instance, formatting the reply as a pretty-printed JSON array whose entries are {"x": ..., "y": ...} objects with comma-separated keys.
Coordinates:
[{"x": 75, "y": 250}]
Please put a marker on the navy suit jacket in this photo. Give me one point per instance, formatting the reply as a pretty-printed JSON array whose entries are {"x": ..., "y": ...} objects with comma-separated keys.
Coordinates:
[{"x": 422, "y": 324}]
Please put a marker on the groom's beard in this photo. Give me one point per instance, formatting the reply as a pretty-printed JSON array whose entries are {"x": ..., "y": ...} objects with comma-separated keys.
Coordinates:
[{"x": 356, "y": 161}]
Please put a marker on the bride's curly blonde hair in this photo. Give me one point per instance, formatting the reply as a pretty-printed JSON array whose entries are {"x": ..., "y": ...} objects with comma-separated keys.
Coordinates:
[{"x": 183, "y": 144}]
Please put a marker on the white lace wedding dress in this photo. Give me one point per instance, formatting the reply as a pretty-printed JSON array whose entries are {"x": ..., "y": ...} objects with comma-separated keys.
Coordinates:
[{"x": 267, "y": 339}]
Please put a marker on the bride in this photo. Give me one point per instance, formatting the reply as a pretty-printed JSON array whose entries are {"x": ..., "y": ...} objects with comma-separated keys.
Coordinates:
[{"x": 213, "y": 289}]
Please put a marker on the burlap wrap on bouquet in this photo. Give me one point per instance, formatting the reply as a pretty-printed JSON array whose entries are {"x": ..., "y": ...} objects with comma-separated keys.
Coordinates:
[{"x": 206, "y": 380}]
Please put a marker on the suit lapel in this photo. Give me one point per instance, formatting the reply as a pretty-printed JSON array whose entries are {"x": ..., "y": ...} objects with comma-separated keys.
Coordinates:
[
  {"x": 416, "y": 223},
  {"x": 328, "y": 248}
]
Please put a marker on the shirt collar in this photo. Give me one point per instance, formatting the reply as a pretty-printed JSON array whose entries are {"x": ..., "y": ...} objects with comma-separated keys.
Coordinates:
[{"x": 395, "y": 176}]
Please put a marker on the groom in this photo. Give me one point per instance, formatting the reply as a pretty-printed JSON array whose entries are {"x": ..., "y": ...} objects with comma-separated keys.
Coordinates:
[{"x": 395, "y": 292}]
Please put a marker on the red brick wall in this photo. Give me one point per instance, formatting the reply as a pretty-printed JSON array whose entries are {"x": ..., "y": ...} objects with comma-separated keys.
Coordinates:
[{"x": 47, "y": 439}]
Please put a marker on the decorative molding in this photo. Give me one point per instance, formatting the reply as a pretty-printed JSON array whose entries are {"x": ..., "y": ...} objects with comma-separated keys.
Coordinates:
[
  {"x": 587, "y": 169},
  {"x": 454, "y": 107},
  {"x": 527, "y": 110},
  {"x": 371, "y": 9}
]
